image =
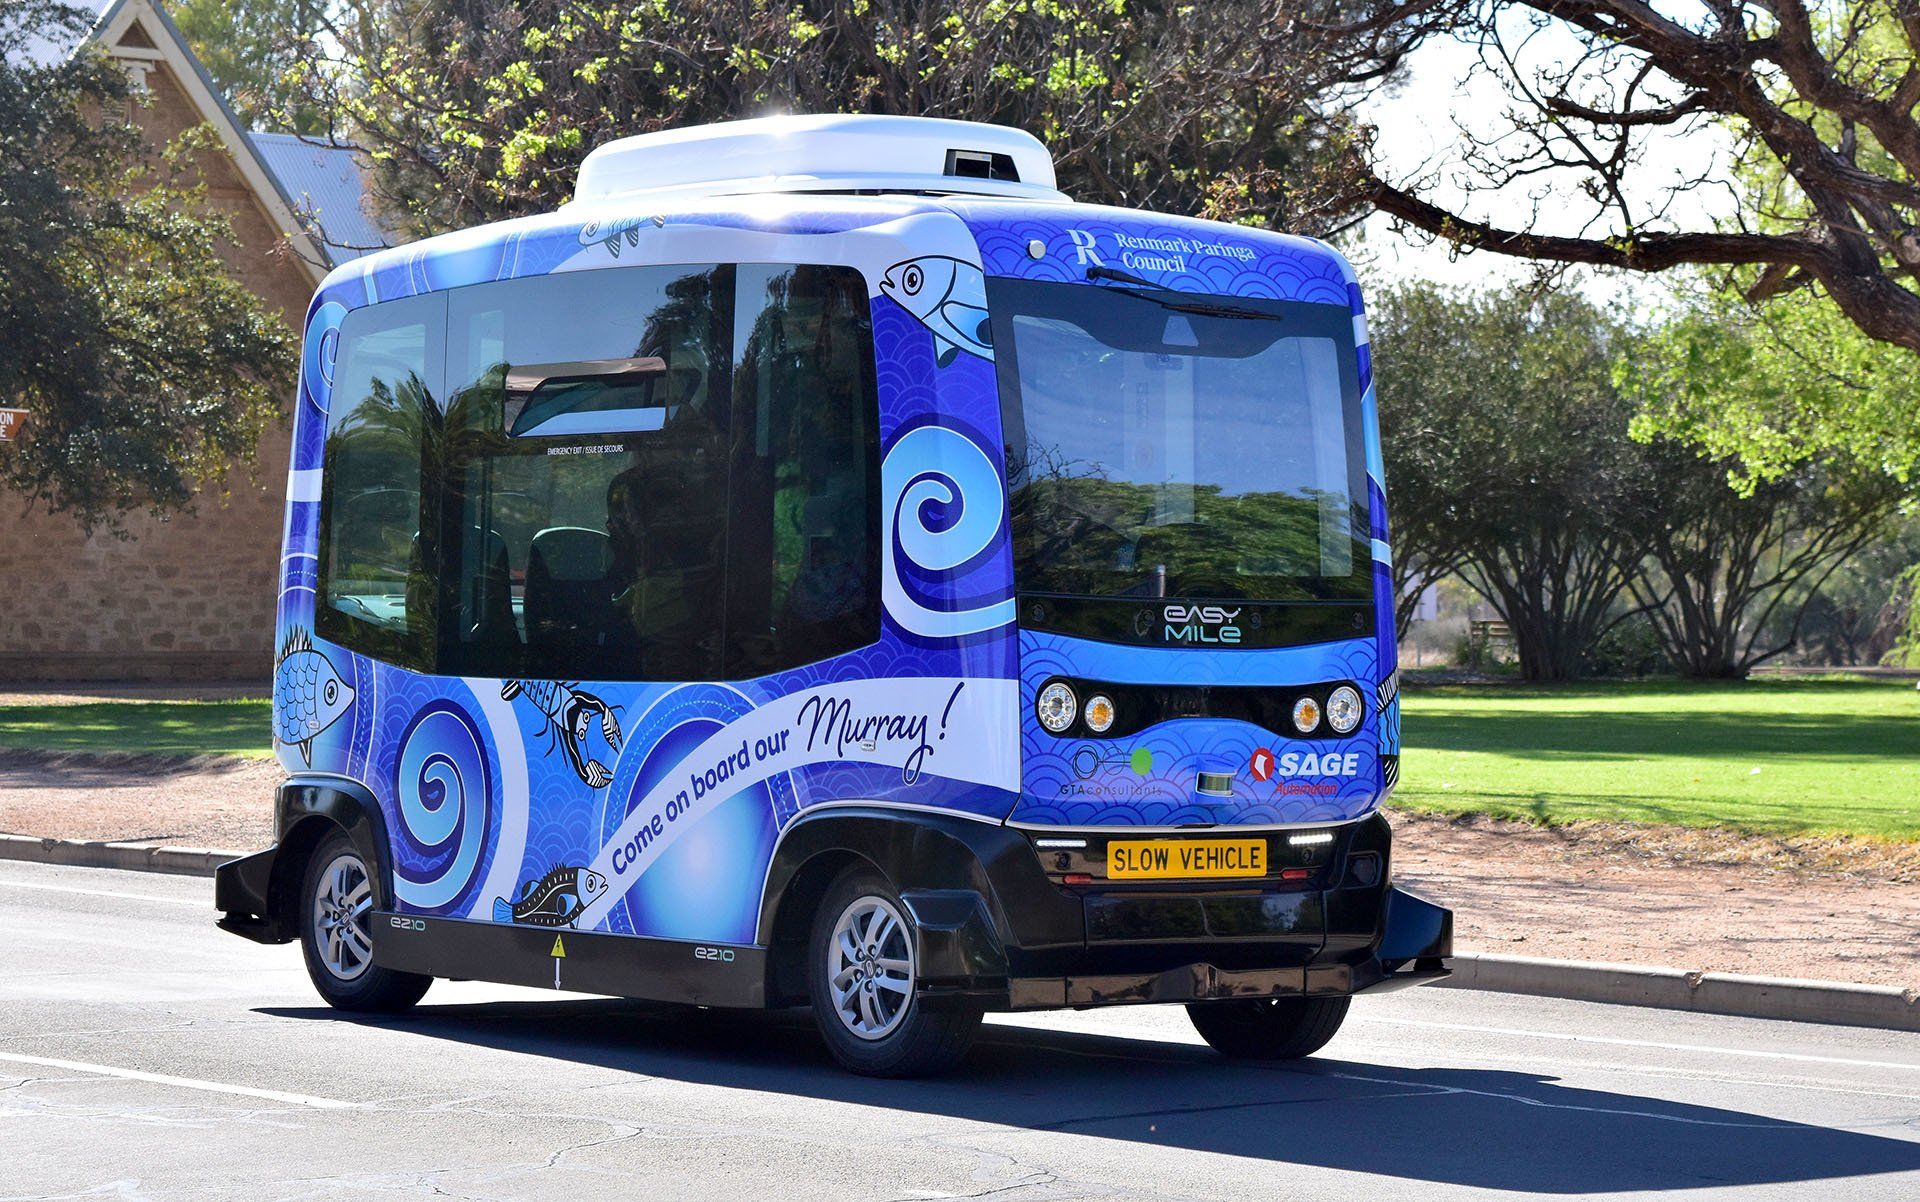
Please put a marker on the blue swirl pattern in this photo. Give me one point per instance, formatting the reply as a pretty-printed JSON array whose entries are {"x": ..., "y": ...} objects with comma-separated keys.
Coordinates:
[
  {"x": 945, "y": 510},
  {"x": 443, "y": 787}
]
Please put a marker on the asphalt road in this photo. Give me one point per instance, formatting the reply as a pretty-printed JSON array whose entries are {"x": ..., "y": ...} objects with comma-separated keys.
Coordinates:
[{"x": 144, "y": 1054}]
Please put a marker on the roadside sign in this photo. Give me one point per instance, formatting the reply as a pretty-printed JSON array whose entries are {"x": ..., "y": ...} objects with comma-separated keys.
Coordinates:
[{"x": 11, "y": 422}]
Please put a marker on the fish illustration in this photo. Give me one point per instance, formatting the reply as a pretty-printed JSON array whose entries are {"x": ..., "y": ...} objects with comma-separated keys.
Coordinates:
[
  {"x": 610, "y": 233},
  {"x": 555, "y": 900},
  {"x": 949, "y": 297},
  {"x": 308, "y": 694},
  {"x": 569, "y": 712}
]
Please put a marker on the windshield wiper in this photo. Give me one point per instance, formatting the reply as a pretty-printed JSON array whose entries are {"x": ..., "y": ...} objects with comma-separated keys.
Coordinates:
[{"x": 1147, "y": 290}]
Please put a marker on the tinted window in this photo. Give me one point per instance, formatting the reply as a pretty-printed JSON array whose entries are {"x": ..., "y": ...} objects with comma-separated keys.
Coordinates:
[
  {"x": 1167, "y": 445},
  {"x": 628, "y": 476},
  {"x": 377, "y": 592},
  {"x": 585, "y": 522},
  {"x": 804, "y": 549}
]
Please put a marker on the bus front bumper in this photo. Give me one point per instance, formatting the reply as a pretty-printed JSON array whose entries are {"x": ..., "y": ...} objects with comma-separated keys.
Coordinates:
[
  {"x": 1344, "y": 929},
  {"x": 1175, "y": 954}
]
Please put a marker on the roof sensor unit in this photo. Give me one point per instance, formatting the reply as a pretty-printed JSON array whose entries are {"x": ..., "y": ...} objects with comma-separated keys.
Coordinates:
[
  {"x": 982, "y": 164},
  {"x": 827, "y": 153}
]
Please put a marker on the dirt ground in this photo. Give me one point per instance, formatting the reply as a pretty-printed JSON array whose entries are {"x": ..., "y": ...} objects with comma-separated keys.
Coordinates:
[
  {"x": 1835, "y": 909},
  {"x": 1830, "y": 909},
  {"x": 202, "y": 801}
]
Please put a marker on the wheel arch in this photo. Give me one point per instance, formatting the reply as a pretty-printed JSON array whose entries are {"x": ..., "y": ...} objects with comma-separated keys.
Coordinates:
[
  {"x": 307, "y": 810},
  {"x": 970, "y": 886}
]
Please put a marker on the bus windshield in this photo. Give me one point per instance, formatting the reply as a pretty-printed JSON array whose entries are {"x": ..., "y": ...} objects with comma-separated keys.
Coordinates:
[{"x": 1164, "y": 444}]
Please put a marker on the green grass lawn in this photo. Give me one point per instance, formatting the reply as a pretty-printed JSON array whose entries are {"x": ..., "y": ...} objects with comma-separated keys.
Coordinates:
[
  {"x": 1774, "y": 755},
  {"x": 240, "y": 728},
  {"x": 1777, "y": 755}
]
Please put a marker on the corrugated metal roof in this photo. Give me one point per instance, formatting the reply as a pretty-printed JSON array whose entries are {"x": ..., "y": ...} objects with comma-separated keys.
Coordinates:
[{"x": 327, "y": 192}]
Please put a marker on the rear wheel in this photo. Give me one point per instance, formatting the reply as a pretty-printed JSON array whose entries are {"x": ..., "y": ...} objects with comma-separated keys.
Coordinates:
[
  {"x": 1269, "y": 1028},
  {"x": 862, "y": 979},
  {"x": 336, "y": 934}
]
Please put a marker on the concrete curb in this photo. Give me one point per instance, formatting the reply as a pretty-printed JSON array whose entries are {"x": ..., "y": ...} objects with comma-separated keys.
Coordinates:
[
  {"x": 1885, "y": 1007},
  {"x": 1881, "y": 1006},
  {"x": 183, "y": 861}
]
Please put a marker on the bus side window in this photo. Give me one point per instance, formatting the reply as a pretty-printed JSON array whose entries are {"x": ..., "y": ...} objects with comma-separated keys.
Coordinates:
[
  {"x": 377, "y": 594},
  {"x": 586, "y": 502},
  {"x": 803, "y": 556}
]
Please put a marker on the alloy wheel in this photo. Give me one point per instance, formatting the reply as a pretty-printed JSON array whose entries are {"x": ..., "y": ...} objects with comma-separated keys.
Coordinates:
[
  {"x": 870, "y": 968},
  {"x": 341, "y": 903}
]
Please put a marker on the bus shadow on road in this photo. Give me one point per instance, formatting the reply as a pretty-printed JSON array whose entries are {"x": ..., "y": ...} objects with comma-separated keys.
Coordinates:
[{"x": 1485, "y": 1128}]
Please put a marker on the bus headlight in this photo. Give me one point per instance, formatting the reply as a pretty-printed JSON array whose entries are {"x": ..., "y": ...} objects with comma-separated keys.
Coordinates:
[
  {"x": 1099, "y": 713},
  {"x": 1056, "y": 706},
  {"x": 1306, "y": 715},
  {"x": 1343, "y": 709}
]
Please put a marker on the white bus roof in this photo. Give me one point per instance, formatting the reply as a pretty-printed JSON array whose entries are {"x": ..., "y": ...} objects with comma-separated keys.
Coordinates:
[{"x": 825, "y": 153}]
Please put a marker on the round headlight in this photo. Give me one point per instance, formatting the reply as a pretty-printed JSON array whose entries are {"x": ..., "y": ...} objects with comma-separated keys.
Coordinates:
[
  {"x": 1099, "y": 713},
  {"x": 1343, "y": 709},
  {"x": 1306, "y": 715},
  {"x": 1056, "y": 706}
]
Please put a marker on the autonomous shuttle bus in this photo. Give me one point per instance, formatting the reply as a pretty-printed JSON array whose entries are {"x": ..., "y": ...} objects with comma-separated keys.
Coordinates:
[{"x": 822, "y": 564}]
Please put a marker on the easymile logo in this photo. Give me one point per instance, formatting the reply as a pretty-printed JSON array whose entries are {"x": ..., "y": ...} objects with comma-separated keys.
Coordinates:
[{"x": 1200, "y": 624}]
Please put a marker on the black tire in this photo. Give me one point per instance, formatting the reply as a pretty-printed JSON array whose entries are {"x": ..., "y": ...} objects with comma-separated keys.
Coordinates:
[
  {"x": 1269, "y": 1028},
  {"x": 922, "y": 1039},
  {"x": 370, "y": 989}
]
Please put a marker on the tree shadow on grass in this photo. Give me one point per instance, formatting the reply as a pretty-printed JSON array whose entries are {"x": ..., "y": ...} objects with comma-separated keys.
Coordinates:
[
  {"x": 1490, "y": 1129},
  {"x": 1602, "y": 735}
]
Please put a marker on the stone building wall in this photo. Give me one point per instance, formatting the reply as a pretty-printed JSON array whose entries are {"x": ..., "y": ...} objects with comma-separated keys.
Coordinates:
[{"x": 190, "y": 597}]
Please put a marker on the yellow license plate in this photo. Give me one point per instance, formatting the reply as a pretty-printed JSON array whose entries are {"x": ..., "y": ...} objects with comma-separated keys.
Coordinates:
[{"x": 1168, "y": 859}]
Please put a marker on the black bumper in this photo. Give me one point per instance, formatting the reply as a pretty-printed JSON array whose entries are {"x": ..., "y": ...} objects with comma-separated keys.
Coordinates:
[
  {"x": 1342, "y": 929},
  {"x": 243, "y": 893},
  {"x": 1188, "y": 965}
]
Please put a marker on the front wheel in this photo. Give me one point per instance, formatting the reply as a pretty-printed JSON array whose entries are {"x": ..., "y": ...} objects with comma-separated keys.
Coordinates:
[
  {"x": 862, "y": 979},
  {"x": 1269, "y": 1028},
  {"x": 336, "y": 933}
]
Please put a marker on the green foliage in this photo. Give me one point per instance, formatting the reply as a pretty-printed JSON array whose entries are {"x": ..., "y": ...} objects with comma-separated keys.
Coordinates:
[
  {"x": 1507, "y": 458},
  {"x": 1863, "y": 613},
  {"x": 1506, "y": 419},
  {"x": 474, "y": 110},
  {"x": 1905, "y": 652},
  {"x": 1632, "y": 648},
  {"x": 1777, "y": 387},
  {"x": 251, "y": 47},
  {"x": 147, "y": 370}
]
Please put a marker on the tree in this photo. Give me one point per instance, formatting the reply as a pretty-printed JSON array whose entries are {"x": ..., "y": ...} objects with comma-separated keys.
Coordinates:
[
  {"x": 1729, "y": 574},
  {"x": 1506, "y": 420},
  {"x": 1754, "y": 523},
  {"x": 251, "y": 48},
  {"x": 146, "y": 370},
  {"x": 1860, "y": 614},
  {"x": 1819, "y": 102},
  {"x": 474, "y": 110},
  {"x": 1507, "y": 453},
  {"x": 1779, "y": 387},
  {"x": 1422, "y": 435}
]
